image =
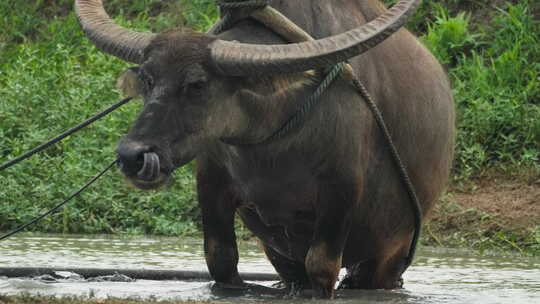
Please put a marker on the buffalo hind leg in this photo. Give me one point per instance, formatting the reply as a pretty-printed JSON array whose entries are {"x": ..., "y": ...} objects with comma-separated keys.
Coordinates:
[
  {"x": 384, "y": 272},
  {"x": 390, "y": 267},
  {"x": 218, "y": 207}
]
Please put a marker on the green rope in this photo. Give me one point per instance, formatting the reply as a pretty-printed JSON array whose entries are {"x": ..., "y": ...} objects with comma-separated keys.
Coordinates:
[
  {"x": 299, "y": 117},
  {"x": 398, "y": 162}
]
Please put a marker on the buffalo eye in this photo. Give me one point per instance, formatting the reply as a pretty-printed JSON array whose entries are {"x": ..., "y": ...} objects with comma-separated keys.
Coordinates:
[
  {"x": 195, "y": 88},
  {"x": 197, "y": 85},
  {"x": 195, "y": 80}
]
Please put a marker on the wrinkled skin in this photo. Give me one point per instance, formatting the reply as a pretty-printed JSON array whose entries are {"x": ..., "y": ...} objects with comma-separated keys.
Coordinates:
[{"x": 327, "y": 195}]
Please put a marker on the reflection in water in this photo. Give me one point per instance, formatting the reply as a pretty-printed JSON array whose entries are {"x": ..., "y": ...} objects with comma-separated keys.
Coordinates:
[{"x": 437, "y": 276}]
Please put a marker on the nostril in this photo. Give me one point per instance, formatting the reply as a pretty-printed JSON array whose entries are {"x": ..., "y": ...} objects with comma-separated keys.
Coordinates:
[
  {"x": 139, "y": 162},
  {"x": 131, "y": 157}
]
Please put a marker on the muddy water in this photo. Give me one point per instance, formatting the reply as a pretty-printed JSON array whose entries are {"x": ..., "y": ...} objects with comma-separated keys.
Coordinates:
[{"x": 437, "y": 276}]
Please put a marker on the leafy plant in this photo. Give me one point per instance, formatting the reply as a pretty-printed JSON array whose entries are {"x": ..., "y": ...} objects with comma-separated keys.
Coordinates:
[{"x": 449, "y": 38}]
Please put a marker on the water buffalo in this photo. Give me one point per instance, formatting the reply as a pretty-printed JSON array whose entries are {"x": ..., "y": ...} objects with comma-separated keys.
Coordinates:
[{"x": 322, "y": 197}]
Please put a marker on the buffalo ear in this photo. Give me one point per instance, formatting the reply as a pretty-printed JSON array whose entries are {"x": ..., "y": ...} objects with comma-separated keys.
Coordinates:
[{"x": 129, "y": 83}]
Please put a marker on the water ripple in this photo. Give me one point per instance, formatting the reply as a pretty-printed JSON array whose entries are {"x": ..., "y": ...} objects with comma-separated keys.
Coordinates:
[{"x": 442, "y": 276}]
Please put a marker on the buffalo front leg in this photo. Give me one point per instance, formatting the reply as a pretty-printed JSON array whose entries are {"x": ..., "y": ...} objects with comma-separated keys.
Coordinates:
[
  {"x": 218, "y": 208},
  {"x": 323, "y": 260}
]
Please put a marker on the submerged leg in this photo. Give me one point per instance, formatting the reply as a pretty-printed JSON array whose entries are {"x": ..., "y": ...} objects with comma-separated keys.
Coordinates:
[
  {"x": 218, "y": 206},
  {"x": 382, "y": 272},
  {"x": 323, "y": 260},
  {"x": 391, "y": 266}
]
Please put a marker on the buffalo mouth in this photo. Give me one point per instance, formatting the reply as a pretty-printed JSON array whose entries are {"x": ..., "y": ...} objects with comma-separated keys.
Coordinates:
[{"x": 151, "y": 174}]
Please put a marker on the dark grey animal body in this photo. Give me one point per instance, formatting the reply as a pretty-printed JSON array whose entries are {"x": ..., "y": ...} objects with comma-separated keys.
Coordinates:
[{"x": 325, "y": 196}]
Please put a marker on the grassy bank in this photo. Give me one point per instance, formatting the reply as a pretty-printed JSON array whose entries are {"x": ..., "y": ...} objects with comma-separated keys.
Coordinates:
[
  {"x": 51, "y": 78},
  {"x": 494, "y": 213}
]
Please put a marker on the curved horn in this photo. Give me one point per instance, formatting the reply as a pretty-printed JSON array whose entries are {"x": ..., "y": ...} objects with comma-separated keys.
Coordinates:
[
  {"x": 238, "y": 59},
  {"x": 109, "y": 36}
]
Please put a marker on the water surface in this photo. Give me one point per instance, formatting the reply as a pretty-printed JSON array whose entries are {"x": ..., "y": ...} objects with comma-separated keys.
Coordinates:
[{"x": 437, "y": 276}]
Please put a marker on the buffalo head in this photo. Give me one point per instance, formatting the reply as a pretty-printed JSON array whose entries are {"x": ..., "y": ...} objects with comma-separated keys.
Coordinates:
[{"x": 190, "y": 82}]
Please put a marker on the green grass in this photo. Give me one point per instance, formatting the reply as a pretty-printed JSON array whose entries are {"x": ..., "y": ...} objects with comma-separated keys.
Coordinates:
[
  {"x": 55, "y": 78},
  {"x": 51, "y": 78},
  {"x": 492, "y": 55},
  {"x": 496, "y": 79}
]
